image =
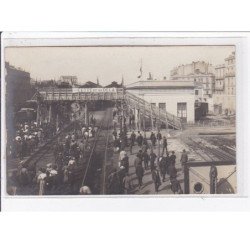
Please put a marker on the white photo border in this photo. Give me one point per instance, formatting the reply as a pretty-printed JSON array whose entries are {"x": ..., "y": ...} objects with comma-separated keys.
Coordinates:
[{"x": 239, "y": 201}]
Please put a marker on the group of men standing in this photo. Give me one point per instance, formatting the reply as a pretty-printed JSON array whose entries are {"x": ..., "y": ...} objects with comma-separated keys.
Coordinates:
[{"x": 146, "y": 160}]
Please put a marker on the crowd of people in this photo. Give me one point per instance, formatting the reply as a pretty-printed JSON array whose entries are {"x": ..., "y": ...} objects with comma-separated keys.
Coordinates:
[
  {"x": 29, "y": 136},
  {"x": 68, "y": 157},
  {"x": 68, "y": 153},
  {"x": 121, "y": 181}
]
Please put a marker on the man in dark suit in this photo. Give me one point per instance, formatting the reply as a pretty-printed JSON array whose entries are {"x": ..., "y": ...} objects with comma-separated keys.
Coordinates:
[
  {"x": 164, "y": 144},
  {"x": 163, "y": 167},
  {"x": 156, "y": 179},
  {"x": 139, "y": 169},
  {"x": 152, "y": 158}
]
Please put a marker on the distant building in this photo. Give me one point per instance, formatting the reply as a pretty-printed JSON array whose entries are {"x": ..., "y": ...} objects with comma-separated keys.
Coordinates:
[
  {"x": 18, "y": 87},
  {"x": 225, "y": 87},
  {"x": 71, "y": 80},
  {"x": 202, "y": 73},
  {"x": 176, "y": 97}
]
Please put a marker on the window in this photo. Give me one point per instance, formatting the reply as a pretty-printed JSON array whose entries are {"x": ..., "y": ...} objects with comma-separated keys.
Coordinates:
[
  {"x": 162, "y": 106},
  {"x": 153, "y": 104},
  {"x": 182, "y": 111},
  {"x": 196, "y": 92}
]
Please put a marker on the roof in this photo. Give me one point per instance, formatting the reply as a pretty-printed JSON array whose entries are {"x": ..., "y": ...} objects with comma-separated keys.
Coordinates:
[
  {"x": 114, "y": 85},
  {"x": 90, "y": 84},
  {"x": 166, "y": 84}
]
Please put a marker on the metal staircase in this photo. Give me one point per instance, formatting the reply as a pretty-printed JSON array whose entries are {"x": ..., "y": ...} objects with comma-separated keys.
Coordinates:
[{"x": 153, "y": 112}]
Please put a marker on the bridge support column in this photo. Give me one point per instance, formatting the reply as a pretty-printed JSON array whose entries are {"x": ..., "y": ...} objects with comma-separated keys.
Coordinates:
[
  {"x": 186, "y": 180},
  {"x": 50, "y": 112},
  {"x": 38, "y": 113},
  {"x": 86, "y": 114},
  {"x": 138, "y": 119},
  {"x": 151, "y": 117}
]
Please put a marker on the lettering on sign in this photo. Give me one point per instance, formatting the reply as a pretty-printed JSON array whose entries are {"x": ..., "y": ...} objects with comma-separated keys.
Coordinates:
[{"x": 94, "y": 90}]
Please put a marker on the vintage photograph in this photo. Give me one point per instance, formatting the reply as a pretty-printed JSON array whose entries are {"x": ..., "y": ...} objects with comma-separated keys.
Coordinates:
[{"x": 120, "y": 120}]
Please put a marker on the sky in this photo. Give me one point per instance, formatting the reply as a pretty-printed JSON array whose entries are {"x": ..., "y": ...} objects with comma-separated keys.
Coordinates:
[{"x": 110, "y": 63}]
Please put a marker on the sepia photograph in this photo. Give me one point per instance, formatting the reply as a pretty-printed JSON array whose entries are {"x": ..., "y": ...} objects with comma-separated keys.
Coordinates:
[{"x": 120, "y": 120}]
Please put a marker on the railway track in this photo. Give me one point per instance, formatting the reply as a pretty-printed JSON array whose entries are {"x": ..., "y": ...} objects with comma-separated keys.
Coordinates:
[
  {"x": 210, "y": 154},
  {"x": 95, "y": 172},
  {"x": 37, "y": 156}
]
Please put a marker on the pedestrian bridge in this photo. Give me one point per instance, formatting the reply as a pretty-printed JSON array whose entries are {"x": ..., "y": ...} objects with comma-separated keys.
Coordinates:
[{"x": 131, "y": 101}]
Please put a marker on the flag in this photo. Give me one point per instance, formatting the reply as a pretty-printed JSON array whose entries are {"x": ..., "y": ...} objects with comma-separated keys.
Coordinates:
[
  {"x": 140, "y": 71},
  {"x": 122, "y": 82}
]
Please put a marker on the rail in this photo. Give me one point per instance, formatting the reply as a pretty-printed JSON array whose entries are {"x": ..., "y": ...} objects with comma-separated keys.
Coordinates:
[
  {"x": 105, "y": 164},
  {"x": 97, "y": 136},
  {"x": 91, "y": 153}
]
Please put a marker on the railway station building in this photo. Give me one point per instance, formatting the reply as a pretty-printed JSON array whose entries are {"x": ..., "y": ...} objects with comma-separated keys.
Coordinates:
[{"x": 176, "y": 97}]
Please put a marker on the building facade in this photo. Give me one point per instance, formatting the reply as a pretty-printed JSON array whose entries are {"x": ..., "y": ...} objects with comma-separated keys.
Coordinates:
[
  {"x": 176, "y": 97},
  {"x": 71, "y": 80},
  {"x": 18, "y": 87},
  {"x": 202, "y": 73},
  {"x": 225, "y": 87}
]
